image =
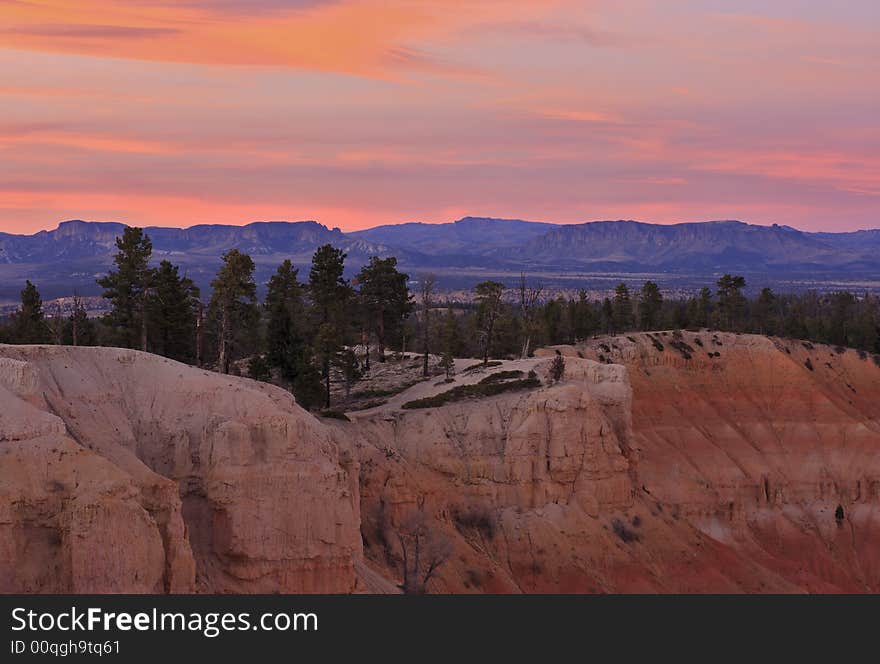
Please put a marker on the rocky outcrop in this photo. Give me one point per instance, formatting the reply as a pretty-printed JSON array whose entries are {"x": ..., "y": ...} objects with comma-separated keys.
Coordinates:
[
  {"x": 767, "y": 449},
  {"x": 507, "y": 479},
  {"x": 688, "y": 462},
  {"x": 122, "y": 471}
]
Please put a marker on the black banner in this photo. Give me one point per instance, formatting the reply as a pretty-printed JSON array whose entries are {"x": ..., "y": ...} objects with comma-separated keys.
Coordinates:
[{"x": 242, "y": 627}]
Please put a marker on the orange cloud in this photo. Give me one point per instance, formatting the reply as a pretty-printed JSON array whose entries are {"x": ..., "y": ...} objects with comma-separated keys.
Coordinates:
[{"x": 361, "y": 37}]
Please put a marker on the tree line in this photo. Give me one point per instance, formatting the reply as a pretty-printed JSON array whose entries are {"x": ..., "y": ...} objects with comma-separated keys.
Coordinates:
[{"x": 320, "y": 328}]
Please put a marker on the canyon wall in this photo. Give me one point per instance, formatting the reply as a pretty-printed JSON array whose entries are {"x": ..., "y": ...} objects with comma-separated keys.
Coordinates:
[
  {"x": 671, "y": 462},
  {"x": 663, "y": 462},
  {"x": 126, "y": 472}
]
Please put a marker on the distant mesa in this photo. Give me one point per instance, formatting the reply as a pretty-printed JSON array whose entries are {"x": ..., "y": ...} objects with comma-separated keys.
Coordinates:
[{"x": 474, "y": 243}]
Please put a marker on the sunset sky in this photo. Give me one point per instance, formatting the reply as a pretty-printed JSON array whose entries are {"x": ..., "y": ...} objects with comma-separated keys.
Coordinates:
[{"x": 363, "y": 112}]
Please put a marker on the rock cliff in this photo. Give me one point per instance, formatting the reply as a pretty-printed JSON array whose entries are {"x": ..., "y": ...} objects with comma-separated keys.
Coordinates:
[
  {"x": 663, "y": 462},
  {"x": 126, "y": 472}
]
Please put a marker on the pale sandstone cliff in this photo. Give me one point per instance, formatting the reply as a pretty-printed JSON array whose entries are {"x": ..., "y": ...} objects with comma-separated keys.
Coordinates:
[{"x": 122, "y": 471}]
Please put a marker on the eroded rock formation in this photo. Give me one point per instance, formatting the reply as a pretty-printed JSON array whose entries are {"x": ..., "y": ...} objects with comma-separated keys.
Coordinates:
[
  {"x": 664, "y": 462},
  {"x": 122, "y": 471},
  {"x": 680, "y": 463}
]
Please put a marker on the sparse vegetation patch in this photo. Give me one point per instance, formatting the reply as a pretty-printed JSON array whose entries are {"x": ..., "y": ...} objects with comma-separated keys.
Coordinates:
[{"x": 474, "y": 391}]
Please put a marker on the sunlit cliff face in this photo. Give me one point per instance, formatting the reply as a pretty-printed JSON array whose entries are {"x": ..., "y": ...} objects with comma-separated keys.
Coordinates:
[{"x": 360, "y": 112}]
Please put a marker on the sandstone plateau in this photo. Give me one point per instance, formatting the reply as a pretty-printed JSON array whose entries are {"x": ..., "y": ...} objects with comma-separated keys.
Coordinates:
[{"x": 664, "y": 462}]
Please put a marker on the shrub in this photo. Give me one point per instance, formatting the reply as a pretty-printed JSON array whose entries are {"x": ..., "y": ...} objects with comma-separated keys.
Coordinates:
[
  {"x": 475, "y": 518},
  {"x": 500, "y": 376},
  {"x": 334, "y": 415},
  {"x": 809, "y": 364},
  {"x": 380, "y": 392},
  {"x": 685, "y": 349},
  {"x": 473, "y": 578},
  {"x": 258, "y": 369},
  {"x": 480, "y": 365},
  {"x": 623, "y": 532},
  {"x": 557, "y": 368},
  {"x": 461, "y": 392}
]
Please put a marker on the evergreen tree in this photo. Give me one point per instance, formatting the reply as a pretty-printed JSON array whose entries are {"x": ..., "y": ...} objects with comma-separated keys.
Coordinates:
[
  {"x": 286, "y": 326},
  {"x": 623, "y": 310},
  {"x": 329, "y": 293},
  {"x": 79, "y": 330},
  {"x": 554, "y": 310},
  {"x": 731, "y": 302},
  {"x": 650, "y": 304},
  {"x": 233, "y": 308},
  {"x": 128, "y": 288},
  {"x": 29, "y": 323},
  {"x": 583, "y": 322},
  {"x": 607, "y": 315},
  {"x": 172, "y": 313},
  {"x": 307, "y": 386},
  {"x": 702, "y": 309},
  {"x": 451, "y": 342},
  {"x": 763, "y": 311},
  {"x": 347, "y": 364},
  {"x": 489, "y": 294},
  {"x": 386, "y": 300},
  {"x": 427, "y": 298},
  {"x": 258, "y": 369}
]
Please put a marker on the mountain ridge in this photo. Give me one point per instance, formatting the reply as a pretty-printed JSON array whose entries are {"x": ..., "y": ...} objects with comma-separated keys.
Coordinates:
[{"x": 71, "y": 255}]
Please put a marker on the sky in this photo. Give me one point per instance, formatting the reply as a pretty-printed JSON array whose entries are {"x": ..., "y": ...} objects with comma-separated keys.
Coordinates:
[{"x": 357, "y": 113}]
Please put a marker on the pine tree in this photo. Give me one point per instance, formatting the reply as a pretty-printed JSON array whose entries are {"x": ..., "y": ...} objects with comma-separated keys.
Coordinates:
[
  {"x": 489, "y": 294},
  {"x": 233, "y": 307},
  {"x": 650, "y": 304},
  {"x": 702, "y": 308},
  {"x": 763, "y": 311},
  {"x": 607, "y": 315},
  {"x": 129, "y": 287},
  {"x": 79, "y": 330},
  {"x": 451, "y": 341},
  {"x": 623, "y": 310},
  {"x": 583, "y": 322},
  {"x": 553, "y": 325},
  {"x": 258, "y": 369},
  {"x": 285, "y": 333},
  {"x": 386, "y": 300},
  {"x": 172, "y": 309},
  {"x": 307, "y": 386},
  {"x": 427, "y": 297},
  {"x": 347, "y": 364},
  {"x": 29, "y": 323},
  {"x": 731, "y": 302},
  {"x": 329, "y": 293}
]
